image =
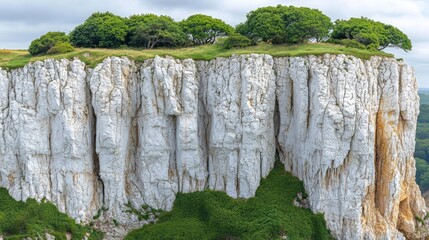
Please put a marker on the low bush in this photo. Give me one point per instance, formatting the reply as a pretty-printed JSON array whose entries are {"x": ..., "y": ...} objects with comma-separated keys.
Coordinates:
[
  {"x": 236, "y": 41},
  {"x": 43, "y": 44},
  {"x": 63, "y": 47},
  {"x": 352, "y": 43}
]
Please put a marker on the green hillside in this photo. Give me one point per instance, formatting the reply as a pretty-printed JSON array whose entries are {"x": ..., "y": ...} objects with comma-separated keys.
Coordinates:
[
  {"x": 422, "y": 144},
  {"x": 20, "y": 220}
]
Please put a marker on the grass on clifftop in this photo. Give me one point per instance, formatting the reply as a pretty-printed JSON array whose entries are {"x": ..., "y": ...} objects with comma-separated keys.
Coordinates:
[
  {"x": 20, "y": 220},
  {"x": 214, "y": 215},
  {"x": 92, "y": 56}
]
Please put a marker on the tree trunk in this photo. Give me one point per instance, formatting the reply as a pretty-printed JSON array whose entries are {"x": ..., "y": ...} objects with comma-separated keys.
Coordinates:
[{"x": 153, "y": 44}]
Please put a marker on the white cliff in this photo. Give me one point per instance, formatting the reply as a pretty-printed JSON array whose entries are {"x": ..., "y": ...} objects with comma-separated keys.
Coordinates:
[
  {"x": 347, "y": 129},
  {"x": 138, "y": 133}
]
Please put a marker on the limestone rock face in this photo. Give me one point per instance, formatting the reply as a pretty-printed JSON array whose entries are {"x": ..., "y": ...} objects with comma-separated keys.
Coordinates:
[
  {"x": 128, "y": 134},
  {"x": 238, "y": 95},
  {"x": 347, "y": 129},
  {"x": 46, "y": 134}
]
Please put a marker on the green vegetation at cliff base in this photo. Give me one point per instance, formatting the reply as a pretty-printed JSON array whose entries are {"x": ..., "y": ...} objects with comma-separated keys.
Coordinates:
[
  {"x": 20, "y": 220},
  {"x": 10, "y": 59},
  {"x": 213, "y": 215}
]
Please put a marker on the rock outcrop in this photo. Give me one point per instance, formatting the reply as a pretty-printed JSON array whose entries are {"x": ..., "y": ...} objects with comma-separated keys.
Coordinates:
[{"x": 131, "y": 134}]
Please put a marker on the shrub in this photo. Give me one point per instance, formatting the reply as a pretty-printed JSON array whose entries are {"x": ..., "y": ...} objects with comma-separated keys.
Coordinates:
[
  {"x": 236, "y": 41},
  {"x": 63, "y": 47},
  {"x": 46, "y": 42}
]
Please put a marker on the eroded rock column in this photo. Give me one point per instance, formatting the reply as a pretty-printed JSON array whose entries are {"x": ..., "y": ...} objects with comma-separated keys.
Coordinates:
[
  {"x": 169, "y": 157},
  {"x": 240, "y": 101},
  {"x": 45, "y": 147},
  {"x": 114, "y": 88}
]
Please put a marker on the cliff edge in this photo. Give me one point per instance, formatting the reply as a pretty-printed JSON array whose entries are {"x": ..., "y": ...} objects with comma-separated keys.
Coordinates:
[{"x": 137, "y": 133}]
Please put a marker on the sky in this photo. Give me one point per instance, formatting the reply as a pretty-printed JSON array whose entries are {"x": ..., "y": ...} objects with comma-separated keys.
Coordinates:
[{"x": 22, "y": 21}]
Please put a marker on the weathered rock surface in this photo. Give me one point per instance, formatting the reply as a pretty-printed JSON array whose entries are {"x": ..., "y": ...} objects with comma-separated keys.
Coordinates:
[
  {"x": 347, "y": 129},
  {"x": 97, "y": 140}
]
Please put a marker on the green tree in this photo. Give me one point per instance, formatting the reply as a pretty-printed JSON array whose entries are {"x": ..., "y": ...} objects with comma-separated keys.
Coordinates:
[
  {"x": 151, "y": 30},
  {"x": 100, "y": 30},
  {"x": 305, "y": 24},
  {"x": 203, "y": 29},
  {"x": 264, "y": 24},
  {"x": 370, "y": 33},
  {"x": 286, "y": 24},
  {"x": 112, "y": 32},
  {"x": 395, "y": 38},
  {"x": 43, "y": 44}
]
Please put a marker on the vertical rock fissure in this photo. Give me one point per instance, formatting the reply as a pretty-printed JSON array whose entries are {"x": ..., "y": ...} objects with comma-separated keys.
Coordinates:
[
  {"x": 237, "y": 178},
  {"x": 309, "y": 76},
  {"x": 279, "y": 150},
  {"x": 207, "y": 133},
  {"x": 291, "y": 97},
  {"x": 261, "y": 159},
  {"x": 50, "y": 157},
  {"x": 207, "y": 145},
  {"x": 378, "y": 162},
  {"x": 400, "y": 77},
  {"x": 173, "y": 154},
  {"x": 204, "y": 125},
  {"x": 99, "y": 185}
]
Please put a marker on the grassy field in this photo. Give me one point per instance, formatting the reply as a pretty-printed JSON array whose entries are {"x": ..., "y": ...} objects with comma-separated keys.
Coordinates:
[
  {"x": 214, "y": 215},
  {"x": 18, "y": 58},
  {"x": 20, "y": 220}
]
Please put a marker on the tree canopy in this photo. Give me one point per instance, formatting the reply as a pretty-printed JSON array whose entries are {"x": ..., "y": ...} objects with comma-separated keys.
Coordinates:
[
  {"x": 203, "y": 29},
  {"x": 286, "y": 24},
  {"x": 104, "y": 30},
  {"x": 274, "y": 24},
  {"x": 150, "y": 30},
  {"x": 46, "y": 42},
  {"x": 370, "y": 33}
]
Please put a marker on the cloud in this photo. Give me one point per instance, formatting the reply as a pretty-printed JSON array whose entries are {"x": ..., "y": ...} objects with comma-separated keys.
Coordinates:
[
  {"x": 183, "y": 4},
  {"x": 418, "y": 59}
]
